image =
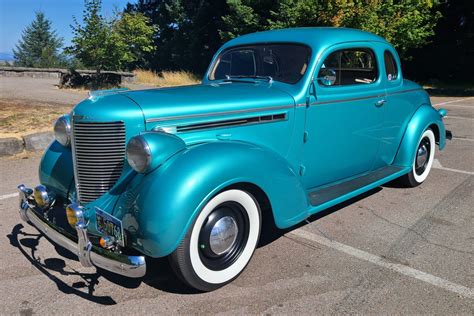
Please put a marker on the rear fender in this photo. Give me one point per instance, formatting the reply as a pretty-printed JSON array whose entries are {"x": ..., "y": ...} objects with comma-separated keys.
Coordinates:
[{"x": 423, "y": 118}]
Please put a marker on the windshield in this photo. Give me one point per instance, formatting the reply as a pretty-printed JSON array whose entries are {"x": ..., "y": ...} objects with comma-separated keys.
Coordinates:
[{"x": 281, "y": 62}]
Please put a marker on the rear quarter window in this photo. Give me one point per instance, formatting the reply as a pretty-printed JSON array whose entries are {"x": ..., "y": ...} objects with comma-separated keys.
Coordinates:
[{"x": 391, "y": 68}]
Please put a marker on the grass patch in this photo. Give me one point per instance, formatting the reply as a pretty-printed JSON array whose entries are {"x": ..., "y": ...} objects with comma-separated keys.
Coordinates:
[
  {"x": 19, "y": 118},
  {"x": 165, "y": 78}
]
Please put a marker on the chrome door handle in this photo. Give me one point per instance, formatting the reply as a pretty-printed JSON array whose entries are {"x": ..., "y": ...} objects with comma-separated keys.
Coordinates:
[{"x": 379, "y": 103}]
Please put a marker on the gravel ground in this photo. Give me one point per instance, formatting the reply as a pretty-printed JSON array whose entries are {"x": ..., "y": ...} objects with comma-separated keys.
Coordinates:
[
  {"x": 390, "y": 251},
  {"x": 38, "y": 90},
  {"x": 43, "y": 91}
]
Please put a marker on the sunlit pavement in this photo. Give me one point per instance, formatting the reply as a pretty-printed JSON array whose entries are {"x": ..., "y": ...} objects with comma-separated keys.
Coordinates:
[{"x": 392, "y": 250}]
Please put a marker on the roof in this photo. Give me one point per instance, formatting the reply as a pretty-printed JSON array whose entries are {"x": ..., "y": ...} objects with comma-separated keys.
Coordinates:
[{"x": 315, "y": 37}]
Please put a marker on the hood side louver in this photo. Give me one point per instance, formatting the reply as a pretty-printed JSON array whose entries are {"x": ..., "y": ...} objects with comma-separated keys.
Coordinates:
[{"x": 233, "y": 122}]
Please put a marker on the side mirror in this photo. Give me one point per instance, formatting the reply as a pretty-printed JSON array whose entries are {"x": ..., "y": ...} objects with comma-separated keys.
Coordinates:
[{"x": 327, "y": 77}]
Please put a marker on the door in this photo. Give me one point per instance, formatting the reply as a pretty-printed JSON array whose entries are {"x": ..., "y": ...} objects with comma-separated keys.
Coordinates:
[
  {"x": 344, "y": 121},
  {"x": 398, "y": 109}
]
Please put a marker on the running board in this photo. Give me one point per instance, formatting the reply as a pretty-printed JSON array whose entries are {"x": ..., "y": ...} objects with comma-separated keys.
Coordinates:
[{"x": 368, "y": 181}]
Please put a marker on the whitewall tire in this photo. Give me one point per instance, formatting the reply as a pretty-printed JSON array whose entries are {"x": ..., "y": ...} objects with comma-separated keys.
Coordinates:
[
  {"x": 221, "y": 241},
  {"x": 423, "y": 161}
]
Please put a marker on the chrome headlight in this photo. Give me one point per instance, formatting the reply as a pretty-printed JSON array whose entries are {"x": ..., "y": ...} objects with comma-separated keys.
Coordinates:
[
  {"x": 138, "y": 154},
  {"x": 62, "y": 130}
]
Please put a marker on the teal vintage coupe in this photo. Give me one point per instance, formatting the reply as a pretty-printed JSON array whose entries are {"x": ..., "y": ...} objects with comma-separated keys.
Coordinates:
[{"x": 285, "y": 123}]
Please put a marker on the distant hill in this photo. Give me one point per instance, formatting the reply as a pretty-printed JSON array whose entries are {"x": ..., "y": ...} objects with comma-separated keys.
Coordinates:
[{"x": 6, "y": 56}]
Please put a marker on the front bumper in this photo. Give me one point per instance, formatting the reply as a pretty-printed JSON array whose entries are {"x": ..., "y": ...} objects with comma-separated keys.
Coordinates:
[{"x": 88, "y": 254}]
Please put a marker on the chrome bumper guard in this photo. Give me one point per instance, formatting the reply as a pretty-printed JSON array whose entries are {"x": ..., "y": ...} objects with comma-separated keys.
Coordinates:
[{"x": 89, "y": 255}]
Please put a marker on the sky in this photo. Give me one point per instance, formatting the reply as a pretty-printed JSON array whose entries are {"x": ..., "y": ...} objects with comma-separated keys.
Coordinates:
[{"x": 15, "y": 15}]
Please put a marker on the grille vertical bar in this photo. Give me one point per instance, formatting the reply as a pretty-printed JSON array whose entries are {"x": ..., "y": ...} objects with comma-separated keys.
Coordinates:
[{"x": 99, "y": 153}]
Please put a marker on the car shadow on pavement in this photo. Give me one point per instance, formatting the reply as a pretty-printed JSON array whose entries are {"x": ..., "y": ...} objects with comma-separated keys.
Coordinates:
[
  {"x": 160, "y": 277},
  {"x": 27, "y": 244}
]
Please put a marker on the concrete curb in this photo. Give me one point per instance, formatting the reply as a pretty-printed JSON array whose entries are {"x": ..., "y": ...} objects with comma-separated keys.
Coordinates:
[
  {"x": 37, "y": 141},
  {"x": 11, "y": 146}
]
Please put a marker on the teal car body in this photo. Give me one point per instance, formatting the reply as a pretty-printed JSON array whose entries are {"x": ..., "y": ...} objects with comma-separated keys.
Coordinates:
[{"x": 291, "y": 145}]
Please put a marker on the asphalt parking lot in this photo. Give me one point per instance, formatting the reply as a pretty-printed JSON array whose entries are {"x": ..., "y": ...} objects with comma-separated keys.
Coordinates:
[{"x": 390, "y": 251}]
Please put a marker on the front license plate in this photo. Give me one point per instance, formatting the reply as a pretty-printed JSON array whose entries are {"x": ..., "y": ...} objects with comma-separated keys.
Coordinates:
[{"x": 109, "y": 226}]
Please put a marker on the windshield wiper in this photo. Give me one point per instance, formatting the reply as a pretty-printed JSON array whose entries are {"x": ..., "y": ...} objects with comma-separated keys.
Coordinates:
[{"x": 268, "y": 78}]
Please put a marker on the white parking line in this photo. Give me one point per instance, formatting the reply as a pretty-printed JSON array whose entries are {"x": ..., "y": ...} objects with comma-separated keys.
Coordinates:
[
  {"x": 459, "y": 117},
  {"x": 453, "y": 101},
  {"x": 8, "y": 196},
  {"x": 466, "y": 139},
  {"x": 457, "y": 106},
  {"x": 402, "y": 269},
  {"x": 437, "y": 165}
]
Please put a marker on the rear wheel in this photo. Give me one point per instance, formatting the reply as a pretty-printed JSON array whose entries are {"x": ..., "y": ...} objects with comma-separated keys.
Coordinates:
[
  {"x": 221, "y": 242},
  {"x": 423, "y": 161}
]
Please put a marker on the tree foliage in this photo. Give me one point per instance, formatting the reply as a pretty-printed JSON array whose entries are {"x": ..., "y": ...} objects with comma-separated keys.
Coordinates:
[
  {"x": 191, "y": 31},
  {"x": 114, "y": 44},
  {"x": 39, "y": 45},
  {"x": 187, "y": 32},
  {"x": 406, "y": 24},
  {"x": 450, "y": 54}
]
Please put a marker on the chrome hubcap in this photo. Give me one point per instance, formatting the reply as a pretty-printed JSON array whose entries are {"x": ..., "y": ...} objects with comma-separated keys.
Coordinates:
[
  {"x": 422, "y": 156},
  {"x": 223, "y": 235}
]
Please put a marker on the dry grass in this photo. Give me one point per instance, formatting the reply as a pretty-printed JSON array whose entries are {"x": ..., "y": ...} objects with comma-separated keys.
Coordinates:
[
  {"x": 165, "y": 78},
  {"x": 19, "y": 118}
]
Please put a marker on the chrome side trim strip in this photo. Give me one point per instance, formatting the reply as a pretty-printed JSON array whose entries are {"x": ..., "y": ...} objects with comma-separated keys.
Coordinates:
[
  {"x": 182, "y": 117},
  {"x": 349, "y": 99},
  {"x": 364, "y": 98},
  {"x": 404, "y": 91}
]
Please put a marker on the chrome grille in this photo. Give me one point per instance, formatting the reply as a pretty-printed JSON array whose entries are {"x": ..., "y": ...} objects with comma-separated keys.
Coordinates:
[{"x": 99, "y": 153}]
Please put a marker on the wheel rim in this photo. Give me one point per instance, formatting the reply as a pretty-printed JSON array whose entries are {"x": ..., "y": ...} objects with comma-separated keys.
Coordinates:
[
  {"x": 223, "y": 236},
  {"x": 422, "y": 156}
]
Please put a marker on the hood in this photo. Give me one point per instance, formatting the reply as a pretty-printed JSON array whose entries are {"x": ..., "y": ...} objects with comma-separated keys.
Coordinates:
[
  {"x": 200, "y": 100},
  {"x": 110, "y": 108}
]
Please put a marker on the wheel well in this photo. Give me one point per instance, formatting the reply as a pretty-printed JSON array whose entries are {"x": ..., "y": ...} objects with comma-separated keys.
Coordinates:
[
  {"x": 435, "y": 130},
  {"x": 260, "y": 196}
]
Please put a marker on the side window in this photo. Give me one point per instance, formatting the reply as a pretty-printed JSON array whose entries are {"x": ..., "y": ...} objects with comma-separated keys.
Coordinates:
[
  {"x": 390, "y": 66},
  {"x": 349, "y": 67}
]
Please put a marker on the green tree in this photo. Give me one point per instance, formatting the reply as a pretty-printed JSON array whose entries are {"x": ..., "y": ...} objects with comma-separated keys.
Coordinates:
[
  {"x": 39, "y": 45},
  {"x": 406, "y": 24},
  {"x": 113, "y": 44},
  {"x": 92, "y": 40},
  {"x": 247, "y": 16},
  {"x": 133, "y": 38},
  {"x": 187, "y": 32}
]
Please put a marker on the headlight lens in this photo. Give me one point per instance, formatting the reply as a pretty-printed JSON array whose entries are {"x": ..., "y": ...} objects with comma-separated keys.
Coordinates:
[
  {"x": 62, "y": 130},
  {"x": 138, "y": 154}
]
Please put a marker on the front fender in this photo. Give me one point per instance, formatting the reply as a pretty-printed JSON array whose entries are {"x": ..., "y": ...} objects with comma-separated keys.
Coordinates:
[
  {"x": 423, "y": 118},
  {"x": 56, "y": 170},
  {"x": 163, "y": 204}
]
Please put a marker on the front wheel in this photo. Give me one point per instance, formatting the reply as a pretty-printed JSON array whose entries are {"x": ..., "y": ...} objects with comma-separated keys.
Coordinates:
[
  {"x": 423, "y": 161},
  {"x": 221, "y": 241}
]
